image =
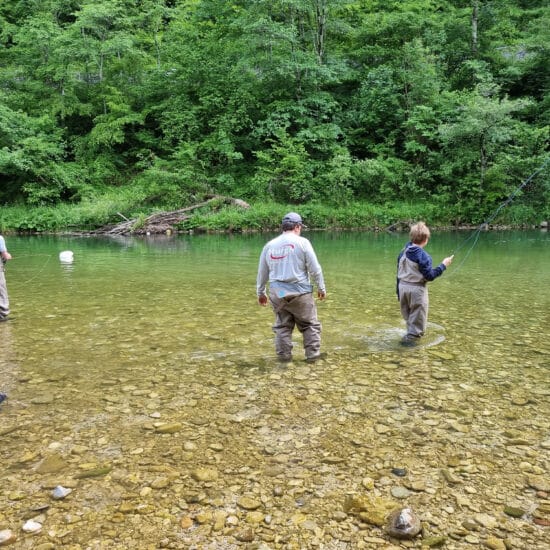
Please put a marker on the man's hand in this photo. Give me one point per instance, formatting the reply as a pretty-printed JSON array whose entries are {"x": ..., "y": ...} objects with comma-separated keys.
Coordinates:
[
  {"x": 6, "y": 256},
  {"x": 262, "y": 300},
  {"x": 321, "y": 294}
]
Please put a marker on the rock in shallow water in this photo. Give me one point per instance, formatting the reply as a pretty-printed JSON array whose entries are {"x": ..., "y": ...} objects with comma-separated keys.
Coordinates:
[
  {"x": 7, "y": 536},
  {"x": 61, "y": 492},
  {"x": 32, "y": 526},
  {"x": 403, "y": 523}
]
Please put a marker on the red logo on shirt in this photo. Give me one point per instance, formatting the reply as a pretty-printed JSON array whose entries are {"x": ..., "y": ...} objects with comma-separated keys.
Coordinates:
[{"x": 280, "y": 253}]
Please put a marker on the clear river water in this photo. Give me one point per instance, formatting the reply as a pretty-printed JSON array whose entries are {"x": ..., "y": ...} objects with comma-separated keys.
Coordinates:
[{"x": 141, "y": 379}]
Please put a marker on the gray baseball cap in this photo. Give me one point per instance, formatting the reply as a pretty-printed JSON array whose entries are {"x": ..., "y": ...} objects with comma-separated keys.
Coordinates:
[{"x": 292, "y": 217}]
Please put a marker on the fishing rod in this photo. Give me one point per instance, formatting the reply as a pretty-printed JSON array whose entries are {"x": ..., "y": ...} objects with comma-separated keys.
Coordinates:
[{"x": 475, "y": 235}]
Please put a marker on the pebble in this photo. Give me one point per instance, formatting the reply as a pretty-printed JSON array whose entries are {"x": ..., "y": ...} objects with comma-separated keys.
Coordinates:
[
  {"x": 205, "y": 474},
  {"x": 434, "y": 542},
  {"x": 61, "y": 492},
  {"x": 186, "y": 522},
  {"x": 249, "y": 503},
  {"x": 7, "y": 537},
  {"x": 495, "y": 543},
  {"x": 514, "y": 511},
  {"x": 400, "y": 492},
  {"x": 539, "y": 483},
  {"x": 485, "y": 520},
  {"x": 32, "y": 526},
  {"x": 160, "y": 483},
  {"x": 403, "y": 523},
  {"x": 169, "y": 428}
]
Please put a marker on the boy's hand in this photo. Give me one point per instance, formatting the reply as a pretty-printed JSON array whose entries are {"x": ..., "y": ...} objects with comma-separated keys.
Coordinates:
[
  {"x": 262, "y": 300},
  {"x": 321, "y": 294},
  {"x": 448, "y": 261}
]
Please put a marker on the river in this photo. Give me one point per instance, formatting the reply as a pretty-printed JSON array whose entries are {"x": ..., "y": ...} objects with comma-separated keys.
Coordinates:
[{"x": 141, "y": 377}]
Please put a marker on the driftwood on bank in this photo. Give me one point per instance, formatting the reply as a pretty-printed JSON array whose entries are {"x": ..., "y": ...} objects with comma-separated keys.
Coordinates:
[{"x": 164, "y": 222}]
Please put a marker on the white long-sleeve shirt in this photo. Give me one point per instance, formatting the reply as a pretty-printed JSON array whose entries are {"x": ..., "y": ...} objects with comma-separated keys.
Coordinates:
[{"x": 289, "y": 264}]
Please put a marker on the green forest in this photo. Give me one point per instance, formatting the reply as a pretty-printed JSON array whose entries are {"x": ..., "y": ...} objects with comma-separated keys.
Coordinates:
[{"x": 359, "y": 110}]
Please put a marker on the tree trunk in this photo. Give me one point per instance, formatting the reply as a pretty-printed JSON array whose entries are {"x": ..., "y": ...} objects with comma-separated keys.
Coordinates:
[
  {"x": 475, "y": 16},
  {"x": 320, "y": 28}
]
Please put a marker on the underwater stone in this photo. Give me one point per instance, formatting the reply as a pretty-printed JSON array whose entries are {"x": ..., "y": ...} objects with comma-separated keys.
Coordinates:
[
  {"x": 249, "y": 503},
  {"x": 513, "y": 511},
  {"x": 168, "y": 428},
  {"x": 7, "y": 537},
  {"x": 32, "y": 526},
  {"x": 51, "y": 464},
  {"x": 205, "y": 474},
  {"x": 539, "y": 483},
  {"x": 61, "y": 492},
  {"x": 400, "y": 492},
  {"x": 434, "y": 542}
]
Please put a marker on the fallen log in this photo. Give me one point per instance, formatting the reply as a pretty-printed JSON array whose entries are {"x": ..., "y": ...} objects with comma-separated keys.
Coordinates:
[{"x": 163, "y": 222}]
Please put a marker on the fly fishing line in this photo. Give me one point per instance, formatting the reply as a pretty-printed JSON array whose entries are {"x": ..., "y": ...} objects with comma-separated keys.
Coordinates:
[{"x": 475, "y": 235}]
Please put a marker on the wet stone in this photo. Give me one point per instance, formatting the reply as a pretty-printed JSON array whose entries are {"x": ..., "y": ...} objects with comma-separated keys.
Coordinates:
[
  {"x": 400, "y": 492},
  {"x": 160, "y": 483},
  {"x": 434, "y": 541},
  {"x": 205, "y": 474},
  {"x": 45, "y": 399},
  {"x": 514, "y": 511},
  {"x": 168, "y": 428},
  {"x": 61, "y": 492},
  {"x": 249, "y": 503},
  {"x": 31, "y": 526},
  {"x": 7, "y": 536},
  {"x": 539, "y": 483},
  {"x": 494, "y": 543},
  {"x": 51, "y": 464}
]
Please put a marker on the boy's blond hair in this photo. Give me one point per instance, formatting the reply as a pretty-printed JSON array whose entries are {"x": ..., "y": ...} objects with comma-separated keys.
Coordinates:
[{"x": 419, "y": 233}]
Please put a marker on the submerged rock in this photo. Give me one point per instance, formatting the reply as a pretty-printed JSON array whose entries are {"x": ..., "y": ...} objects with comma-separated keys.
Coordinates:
[
  {"x": 32, "y": 526},
  {"x": 403, "y": 523},
  {"x": 51, "y": 464},
  {"x": 7, "y": 536},
  {"x": 61, "y": 492}
]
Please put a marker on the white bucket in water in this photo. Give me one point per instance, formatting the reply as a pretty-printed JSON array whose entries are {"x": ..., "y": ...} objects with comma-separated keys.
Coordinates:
[{"x": 66, "y": 257}]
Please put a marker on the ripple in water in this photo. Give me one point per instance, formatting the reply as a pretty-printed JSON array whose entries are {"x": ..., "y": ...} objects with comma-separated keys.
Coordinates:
[{"x": 377, "y": 339}]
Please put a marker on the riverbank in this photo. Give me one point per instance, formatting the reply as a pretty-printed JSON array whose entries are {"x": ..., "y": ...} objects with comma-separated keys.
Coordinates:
[{"x": 215, "y": 216}]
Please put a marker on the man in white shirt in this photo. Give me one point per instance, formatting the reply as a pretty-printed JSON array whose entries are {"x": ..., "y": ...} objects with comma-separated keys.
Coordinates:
[
  {"x": 289, "y": 264},
  {"x": 4, "y": 301}
]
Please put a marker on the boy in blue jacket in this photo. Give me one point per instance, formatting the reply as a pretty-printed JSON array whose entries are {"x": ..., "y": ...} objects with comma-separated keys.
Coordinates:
[{"x": 414, "y": 270}]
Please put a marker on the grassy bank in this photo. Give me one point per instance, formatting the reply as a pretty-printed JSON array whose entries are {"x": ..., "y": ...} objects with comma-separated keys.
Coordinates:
[{"x": 110, "y": 208}]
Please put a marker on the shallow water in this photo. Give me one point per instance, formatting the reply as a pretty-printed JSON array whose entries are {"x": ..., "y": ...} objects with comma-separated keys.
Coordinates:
[{"x": 147, "y": 363}]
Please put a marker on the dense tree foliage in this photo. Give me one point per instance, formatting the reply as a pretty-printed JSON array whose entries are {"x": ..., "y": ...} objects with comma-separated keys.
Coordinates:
[{"x": 287, "y": 100}]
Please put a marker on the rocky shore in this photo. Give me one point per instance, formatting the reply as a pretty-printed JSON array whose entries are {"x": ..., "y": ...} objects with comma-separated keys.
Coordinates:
[{"x": 277, "y": 458}]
